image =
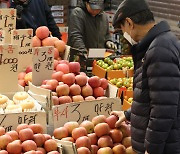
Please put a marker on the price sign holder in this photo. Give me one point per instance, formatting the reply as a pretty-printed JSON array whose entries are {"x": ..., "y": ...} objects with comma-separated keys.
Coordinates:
[
  {"x": 8, "y": 68},
  {"x": 43, "y": 64},
  {"x": 2, "y": 36},
  {"x": 23, "y": 38},
  {"x": 96, "y": 53},
  {"x": 7, "y": 22},
  {"x": 83, "y": 110}
]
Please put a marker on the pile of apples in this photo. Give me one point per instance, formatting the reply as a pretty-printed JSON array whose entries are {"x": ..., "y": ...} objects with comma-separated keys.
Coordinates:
[
  {"x": 42, "y": 39},
  {"x": 27, "y": 139},
  {"x": 98, "y": 136},
  {"x": 68, "y": 84}
]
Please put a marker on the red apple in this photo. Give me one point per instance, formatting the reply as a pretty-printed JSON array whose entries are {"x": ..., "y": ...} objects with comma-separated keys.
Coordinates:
[
  {"x": 83, "y": 150},
  {"x": 55, "y": 100},
  {"x": 102, "y": 129},
  {"x": 81, "y": 80},
  {"x": 98, "y": 119},
  {"x": 28, "y": 69},
  {"x": 116, "y": 135},
  {"x": 26, "y": 134},
  {"x": 111, "y": 121},
  {"x": 60, "y": 133},
  {"x": 21, "y": 75},
  {"x": 2, "y": 131},
  {"x": 94, "y": 149},
  {"x": 88, "y": 125},
  {"x": 29, "y": 145},
  {"x": 14, "y": 147},
  {"x": 50, "y": 145},
  {"x": 87, "y": 91},
  {"x": 13, "y": 134},
  {"x": 64, "y": 62},
  {"x": 65, "y": 99},
  {"x": 105, "y": 141},
  {"x": 93, "y": 138},
  {"x": 126, "y": 141},
  {"x": 21, "y": 126},
  {"x": 4, "y": 141},
  {"x": 130, "y": 150},
  {"x": 104, "y": 83},
  {"x": 70, "y": 139},
  {"x": 30, "y": 152},
  {"x": 75, "y": 89},
  {"x": 94, "y": 81},
  {"x": 55, "y": 63},
  {"x": 119, "y": 149},
  {"x": 68, "y": 79},
  {"x": 57, "y": 76},
  {"x": 22, "y": 83},
  {"x": 36, "y": 128},
  {"x": 74, "y": 67},
  {"x": 83, "y": 141},
  {"x": 71, "y": 125},
  {"x": 77, "y": 98},
  {"x": 53, "y": 83},
  {"x": 106, "y": 150},
  {"x": 47, "y": 136},
  {"x": 42, "y": 150},
  {"x": 56, "y": 53},
  {"x": 39, "y": 139},
  {"x": 62, "y": 90},
  {"x": 125, "y": 129},
  {"x": 98, "y": 92},
  {"x": 63, "y": 67},
  {"x": 78, "y": 132},
  {"x": 3, "y": 152}
]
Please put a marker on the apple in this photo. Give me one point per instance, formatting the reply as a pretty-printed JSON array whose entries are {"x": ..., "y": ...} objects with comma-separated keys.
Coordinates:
[
  {"x": 26, "y": 134},
  {"x": 42, "y": 150},
  {"x": 22, "y": 83},
  {"x": 98, "y": 119},
  {"x": 55, "y": 63},
  {"x": 55, "y": 100},
  {"x": 81, "y": 80},
  {"x": 94, "y": 149},
  {"x": 130, "y": 150},
  {"x": 30, "y": 152},
  {"x": 21, "y": 75},
  {"x": 105, "y": 150},
  {"x": 70, "y": 139},
  {"x": 87, "y": 91},
  {"x": 75, "y": 89},
  {"x": 36, "y": 128},
  {"x": 111, "y": 121},
  {"x": 13, "y": 134},
  {"x": 89, "y": 98},
  {"x": 62, "y": 90},
  {"x": 63, "y": 68},
  {"x": 64, "y": 62},
  {"x": 14, "y": 147},
  {"x": 88, "y": 125},
  {"x": 4, "y": 141},
  {"x": 39, "y": 139},
  {"x": 105, "y": 141},
  {"x": 29, "y": 145},
  {"x": 102, "y": 129},
  {"x": 70, "y": 126},
  {"x": 98, "y": 92},
  {"x": 57, "y": 76},
  {"x": 56, "y": 53},
  {"x": 53, "y": 83},
  {"x": 50, "y": 145},
  {"x": 21, "y": 126},
  {"x": 28, "y": 69},
  {"x": 104, "y": 83},
  {"x": 47, "y": 136},
  {"x": 119, "y": 149},
  {"x": 68, "y": 79},
  {"x": 3, "y": 152},
  {"x": 126, "y": 141},
  {"x": 125, "y": 129},
  {"x": 65, "y": 99},
  {"x": 93, "y": 138},
  {"x": 77, "y": 98},
  {"x": 94, "y": 81},
  {"x": 83, "y": 150},
  {"x": 83, "y": 141},
  {"x": 53, "y": 152},
  {"x": 116, "y": 135},
  {"x": 60, "y": 133},
  {"x": 2, "y": 131},
  {"x": 74, "y": 67},
  {"x": 78, "y": 132}
]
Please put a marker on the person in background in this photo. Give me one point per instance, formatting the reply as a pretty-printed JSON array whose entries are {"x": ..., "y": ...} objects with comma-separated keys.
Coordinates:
[
  {"x": 33, "y": 14},
  {"x": 155, "y": 111},
  {"x": 88, "y": 27}
]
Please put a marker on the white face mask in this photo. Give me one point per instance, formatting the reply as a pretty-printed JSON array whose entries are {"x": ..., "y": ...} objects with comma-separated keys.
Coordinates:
[{"x": 129, "y": 38}]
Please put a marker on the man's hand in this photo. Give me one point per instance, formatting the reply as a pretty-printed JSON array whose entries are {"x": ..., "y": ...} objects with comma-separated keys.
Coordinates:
[
  {"x": 111, "y": 45},
  {"x": 121, "y": 116}
]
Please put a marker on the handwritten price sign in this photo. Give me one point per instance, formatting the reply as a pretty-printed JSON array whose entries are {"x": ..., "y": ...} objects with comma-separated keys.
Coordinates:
[
  {"x": 2, "y": 36},
  {"x": 8, "y": 68},
  {"x": 21, "y": 118},
  {"x": 23, "y": 38},
  {"x": 43, "y": 64},
  {"x": 7, "y": 22},
  {"x": 84, "y": 111}
]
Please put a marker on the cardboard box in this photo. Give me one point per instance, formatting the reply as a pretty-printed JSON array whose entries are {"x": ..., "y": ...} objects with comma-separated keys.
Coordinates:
[
  {"x": 98, "y": 71},
  {"x": 126, "y": 94}
]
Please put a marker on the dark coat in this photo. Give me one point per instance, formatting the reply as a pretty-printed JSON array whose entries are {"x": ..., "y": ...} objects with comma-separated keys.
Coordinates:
[
  {"x": 86, "y": 31},
  {"x": 37, "y": 13},
  {"x": 155, "y": 112}
]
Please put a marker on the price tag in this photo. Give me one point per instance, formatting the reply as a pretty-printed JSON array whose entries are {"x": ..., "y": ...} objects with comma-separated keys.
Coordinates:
[
  {"x": 7, "y": 22},
  {"x": 96, "y": 53},
  {"x": 84, "y": 110},
  {"x": 23, "y": 38},
  {"x": 2, "y": 36},
  {"x": 43, "y": 64},
  {"x": 21, "y": 118},
  {"x": 8, "y": 68}
]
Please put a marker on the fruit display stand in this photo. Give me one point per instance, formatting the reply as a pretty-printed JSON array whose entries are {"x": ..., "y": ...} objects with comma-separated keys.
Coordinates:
[{"x": 126, "y": 95}]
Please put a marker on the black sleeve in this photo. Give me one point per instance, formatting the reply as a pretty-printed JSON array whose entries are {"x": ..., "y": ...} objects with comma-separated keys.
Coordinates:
[{"x": 50, "y": 22}]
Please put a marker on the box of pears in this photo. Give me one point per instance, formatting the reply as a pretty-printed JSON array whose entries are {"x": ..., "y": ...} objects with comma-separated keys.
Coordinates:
[{"x": 118, "y": 68}]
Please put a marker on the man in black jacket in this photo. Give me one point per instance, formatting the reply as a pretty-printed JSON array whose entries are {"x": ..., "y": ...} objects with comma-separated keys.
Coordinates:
[
  {"x": 33, "y": 14},
  {"x": 155, "y": 111}
]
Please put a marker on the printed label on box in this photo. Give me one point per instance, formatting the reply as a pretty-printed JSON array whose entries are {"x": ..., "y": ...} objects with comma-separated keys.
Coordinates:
[
  {"x": 43, "y": 64},
  {"x": 23, "y": 38},
  {"x": 7, "y": 22},
  {"x": 84, "y": 110},
  {"x": 8, "y": 68}
]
